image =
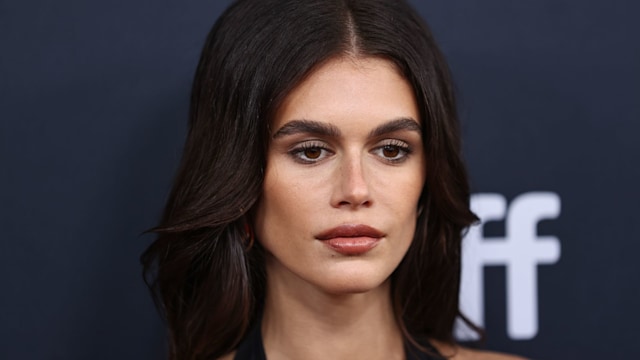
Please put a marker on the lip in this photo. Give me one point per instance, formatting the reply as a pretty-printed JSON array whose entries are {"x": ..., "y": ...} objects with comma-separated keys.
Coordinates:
[
  {"x": 351, "y": 239},
  {"x": 350, "y": 231}
]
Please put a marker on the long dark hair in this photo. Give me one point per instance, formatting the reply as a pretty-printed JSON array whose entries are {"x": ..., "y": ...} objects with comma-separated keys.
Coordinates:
[{"x": 207, "y": 279}]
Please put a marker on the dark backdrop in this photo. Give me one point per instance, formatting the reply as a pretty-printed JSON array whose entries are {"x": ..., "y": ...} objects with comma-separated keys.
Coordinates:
[{"x": 93, "y": 104}]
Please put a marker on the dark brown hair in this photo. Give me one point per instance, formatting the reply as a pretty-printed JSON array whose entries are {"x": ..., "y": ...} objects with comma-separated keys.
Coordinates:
[{"x": 206, "y": 280}]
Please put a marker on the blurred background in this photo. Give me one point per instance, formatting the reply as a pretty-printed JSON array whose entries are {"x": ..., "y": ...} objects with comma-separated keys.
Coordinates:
[{"x": 93, "y": 110}]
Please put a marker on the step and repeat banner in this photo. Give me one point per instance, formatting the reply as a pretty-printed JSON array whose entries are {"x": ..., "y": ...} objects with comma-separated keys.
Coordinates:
[{"x": 93, "y": 106}]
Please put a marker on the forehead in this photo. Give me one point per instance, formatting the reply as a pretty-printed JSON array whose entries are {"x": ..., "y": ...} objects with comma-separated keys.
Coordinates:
[{"x": 348, "y": 88}]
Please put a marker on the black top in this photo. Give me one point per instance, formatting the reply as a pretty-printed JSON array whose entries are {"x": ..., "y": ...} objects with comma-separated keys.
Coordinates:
[{"x": 251, "y": 348}]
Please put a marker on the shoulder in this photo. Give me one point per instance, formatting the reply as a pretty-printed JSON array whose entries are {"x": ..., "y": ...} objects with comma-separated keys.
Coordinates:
[
  {"x": 229, "y": 356},
  {"x": 462, "y": 353}
]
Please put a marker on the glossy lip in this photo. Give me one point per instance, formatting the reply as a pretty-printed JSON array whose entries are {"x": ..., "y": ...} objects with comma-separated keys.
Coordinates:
[{"x": 351, "y": 239}]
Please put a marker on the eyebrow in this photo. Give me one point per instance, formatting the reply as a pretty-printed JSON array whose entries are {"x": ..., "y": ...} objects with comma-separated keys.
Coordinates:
[
  {"x": 399, "y": 124},
  {"x": 324, "y": 129},
  {"x": 307, "y": 127}
]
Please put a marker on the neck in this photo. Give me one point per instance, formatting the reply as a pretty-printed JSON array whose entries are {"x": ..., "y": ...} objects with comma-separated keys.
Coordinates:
[{"x": 301, "y": 321}]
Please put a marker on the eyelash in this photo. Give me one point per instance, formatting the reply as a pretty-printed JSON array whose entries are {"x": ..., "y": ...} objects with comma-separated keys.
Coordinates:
[{"x": 404, "y": 151}]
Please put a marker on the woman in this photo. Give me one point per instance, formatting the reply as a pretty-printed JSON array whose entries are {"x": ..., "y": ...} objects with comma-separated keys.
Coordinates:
[{"x": 319, "y": 205}]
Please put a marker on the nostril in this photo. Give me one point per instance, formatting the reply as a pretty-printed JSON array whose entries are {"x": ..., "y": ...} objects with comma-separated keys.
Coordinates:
[{"x": 354, "y": 204}]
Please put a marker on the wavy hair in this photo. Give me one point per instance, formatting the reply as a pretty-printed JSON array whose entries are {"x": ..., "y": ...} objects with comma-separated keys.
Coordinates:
[{"x": 207, "y": 281}]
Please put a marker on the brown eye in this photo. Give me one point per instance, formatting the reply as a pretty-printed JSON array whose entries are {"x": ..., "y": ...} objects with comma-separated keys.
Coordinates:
[
  {"x": 390, "y": 151},
  {"x": 312, "y": 153},
  {"x": 393, "y": 151}
]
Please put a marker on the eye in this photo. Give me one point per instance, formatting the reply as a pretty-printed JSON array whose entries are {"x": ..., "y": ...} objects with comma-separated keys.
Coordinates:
[
  {"x": 393, "y": 151},
  {"x": 390, "y": 151},
  {"x": 312, "y": 153},
  {"x": 309, "y": 153}
]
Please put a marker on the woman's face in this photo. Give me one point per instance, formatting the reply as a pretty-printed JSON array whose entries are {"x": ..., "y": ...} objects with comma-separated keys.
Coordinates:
[{"x": 345, "y": 169}]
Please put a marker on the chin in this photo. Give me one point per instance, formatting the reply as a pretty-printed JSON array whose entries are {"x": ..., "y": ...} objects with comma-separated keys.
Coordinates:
[{"x": 352, "y": 281}]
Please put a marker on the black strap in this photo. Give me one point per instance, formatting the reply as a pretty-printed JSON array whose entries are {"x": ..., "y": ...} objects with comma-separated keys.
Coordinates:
[
  {"x": 413, "y": 353},
  {"x": 251, "y": 347}
]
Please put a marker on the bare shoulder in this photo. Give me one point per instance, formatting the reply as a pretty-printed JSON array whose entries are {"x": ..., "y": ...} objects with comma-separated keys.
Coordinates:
[
  {"x": 462, "y": 353},
  {"x": 229, "y": 356}
]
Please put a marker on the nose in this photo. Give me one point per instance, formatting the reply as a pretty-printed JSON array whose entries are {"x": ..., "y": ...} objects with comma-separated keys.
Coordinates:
[{"x": 351, "y": 186}]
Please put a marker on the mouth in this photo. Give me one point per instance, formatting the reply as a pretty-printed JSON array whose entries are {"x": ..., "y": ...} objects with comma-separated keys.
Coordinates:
[{"x": 351, "y": 240}]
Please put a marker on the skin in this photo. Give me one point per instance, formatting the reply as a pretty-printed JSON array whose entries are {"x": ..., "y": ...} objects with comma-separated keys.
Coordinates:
[
  {"x": 315, "y": 181},
  {"x": 346, "y": 148}
]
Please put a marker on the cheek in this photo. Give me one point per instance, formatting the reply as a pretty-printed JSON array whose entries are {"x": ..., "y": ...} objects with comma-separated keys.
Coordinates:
[
  {"x": 400, "y": 192},
  {"x": 283, "y": 208}
]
